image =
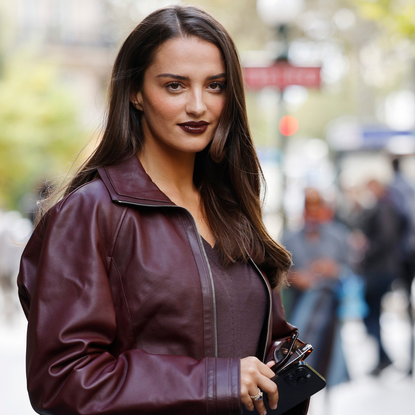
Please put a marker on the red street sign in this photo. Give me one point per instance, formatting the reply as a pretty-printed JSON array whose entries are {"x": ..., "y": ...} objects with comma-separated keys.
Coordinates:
[{"x": 281, "y": 75}]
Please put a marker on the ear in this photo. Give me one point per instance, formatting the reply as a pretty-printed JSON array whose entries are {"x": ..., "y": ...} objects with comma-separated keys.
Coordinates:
[{"x": 136, "y": 99}]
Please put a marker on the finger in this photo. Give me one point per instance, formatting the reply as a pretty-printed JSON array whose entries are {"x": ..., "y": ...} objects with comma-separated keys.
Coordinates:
[
  {"x": 271, "y": 363},
  {"x": 270, "y": 388},
  {"x": 265, "y": 370},
  {"x": 247, "y": 402},
  {"x": 259, "y": 402},
  {"x": 273, "y": 399},
  {"x": 245, "y": 398}
]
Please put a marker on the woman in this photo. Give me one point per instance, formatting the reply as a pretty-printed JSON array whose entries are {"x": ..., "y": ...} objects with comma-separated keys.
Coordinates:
[{"x": 138, "y": 285}]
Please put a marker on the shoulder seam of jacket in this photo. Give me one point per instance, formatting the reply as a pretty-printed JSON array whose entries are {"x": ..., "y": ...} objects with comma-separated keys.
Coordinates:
[{"x": 59, "y": 205}]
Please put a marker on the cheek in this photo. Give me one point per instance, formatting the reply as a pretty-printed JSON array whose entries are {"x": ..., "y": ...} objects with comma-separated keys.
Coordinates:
[
  {"x": 161, "y": 108},
  {"x": 218, "y": 106}
]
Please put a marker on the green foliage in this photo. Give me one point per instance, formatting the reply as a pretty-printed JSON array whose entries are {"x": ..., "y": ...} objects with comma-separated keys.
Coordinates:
[
  {"x": 39, "y": 131},
  {"x": 395, "y": 16}
]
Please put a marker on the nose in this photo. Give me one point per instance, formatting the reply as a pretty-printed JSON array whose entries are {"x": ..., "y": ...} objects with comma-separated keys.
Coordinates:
[{"x": 196, "y": 105}]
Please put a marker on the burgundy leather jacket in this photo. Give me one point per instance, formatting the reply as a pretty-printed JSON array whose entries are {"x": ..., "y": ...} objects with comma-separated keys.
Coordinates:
[{"x": 120, "y": 302}]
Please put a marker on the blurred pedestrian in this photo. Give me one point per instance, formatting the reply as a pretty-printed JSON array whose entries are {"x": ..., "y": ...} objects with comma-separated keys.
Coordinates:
[
  {"x": 382, "y": 225},
  {"x": 320, "y": 256},
  {"x": 139, "y": 285},
  {"x": 402, "y": 191}
]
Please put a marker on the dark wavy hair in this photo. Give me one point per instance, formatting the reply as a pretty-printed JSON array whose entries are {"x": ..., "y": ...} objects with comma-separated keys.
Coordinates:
[{"x": 227, "y": 173}]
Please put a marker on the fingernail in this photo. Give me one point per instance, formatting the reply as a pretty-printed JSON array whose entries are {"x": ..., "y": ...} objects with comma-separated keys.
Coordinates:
[
  {"x": 274, "y": 406},
  {"x": 264, "y": 413}
]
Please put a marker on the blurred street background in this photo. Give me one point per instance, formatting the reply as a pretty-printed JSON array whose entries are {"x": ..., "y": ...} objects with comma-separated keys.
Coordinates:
[{"x": 331, "y": 101}]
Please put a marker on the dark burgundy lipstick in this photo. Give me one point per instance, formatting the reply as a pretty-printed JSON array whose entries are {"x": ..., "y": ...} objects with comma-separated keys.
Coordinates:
[{"x": 194, "y": 127}]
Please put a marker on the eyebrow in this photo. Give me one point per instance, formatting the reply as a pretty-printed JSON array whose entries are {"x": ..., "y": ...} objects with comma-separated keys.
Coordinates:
[{"x": 186, "y": 78}]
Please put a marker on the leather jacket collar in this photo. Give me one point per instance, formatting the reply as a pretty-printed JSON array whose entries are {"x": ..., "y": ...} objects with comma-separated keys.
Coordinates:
[{"x": 128, "y": 182}]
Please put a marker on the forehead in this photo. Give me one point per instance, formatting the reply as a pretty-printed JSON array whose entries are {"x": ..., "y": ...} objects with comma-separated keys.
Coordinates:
[{"x": 187, "y": 54}]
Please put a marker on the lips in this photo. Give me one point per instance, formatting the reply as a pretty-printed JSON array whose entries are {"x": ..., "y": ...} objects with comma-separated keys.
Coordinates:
[{"x": 194, "y": 127}]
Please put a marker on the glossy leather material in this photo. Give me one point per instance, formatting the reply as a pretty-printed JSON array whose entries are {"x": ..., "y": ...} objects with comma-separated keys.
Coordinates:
[{"x": 121, "y": 306}]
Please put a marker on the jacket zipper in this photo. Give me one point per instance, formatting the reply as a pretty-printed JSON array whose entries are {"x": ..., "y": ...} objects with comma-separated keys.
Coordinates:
[
  {"x": 270, "y": 303},
  {"x": 204, "y": 255}
]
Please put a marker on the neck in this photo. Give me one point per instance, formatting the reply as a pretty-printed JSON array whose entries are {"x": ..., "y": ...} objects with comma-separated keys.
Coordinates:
[{"x": 171, "y": 171}]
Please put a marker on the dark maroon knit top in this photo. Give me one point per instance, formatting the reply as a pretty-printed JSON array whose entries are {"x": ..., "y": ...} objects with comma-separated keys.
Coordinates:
[{"x": 241, "y": 306}]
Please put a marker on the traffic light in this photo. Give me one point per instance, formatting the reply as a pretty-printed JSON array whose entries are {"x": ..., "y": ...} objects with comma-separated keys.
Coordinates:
[{"x": 288, "y": 125}]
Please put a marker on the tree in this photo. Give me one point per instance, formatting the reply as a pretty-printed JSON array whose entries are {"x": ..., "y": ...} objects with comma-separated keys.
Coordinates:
[
  {"x": 394, "y": 16},
  {"x": 39, "y": 130}
]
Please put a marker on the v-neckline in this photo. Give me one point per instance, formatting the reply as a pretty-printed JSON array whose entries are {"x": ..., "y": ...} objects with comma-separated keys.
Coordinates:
[{"x": 206, "y": 243}]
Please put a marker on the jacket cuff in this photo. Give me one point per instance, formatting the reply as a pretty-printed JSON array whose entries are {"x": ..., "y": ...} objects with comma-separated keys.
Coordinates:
[{"x": 223, "y": 390}]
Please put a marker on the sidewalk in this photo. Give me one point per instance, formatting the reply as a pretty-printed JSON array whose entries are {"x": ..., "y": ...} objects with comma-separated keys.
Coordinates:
[
  {"x": 13, "y": 395},
  {"x": 392, "y": 392},
  {"x": 390, "y": 395}
]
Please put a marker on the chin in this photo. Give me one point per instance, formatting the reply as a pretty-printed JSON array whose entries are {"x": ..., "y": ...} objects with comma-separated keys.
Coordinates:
[{"x": 196, "y": 147}]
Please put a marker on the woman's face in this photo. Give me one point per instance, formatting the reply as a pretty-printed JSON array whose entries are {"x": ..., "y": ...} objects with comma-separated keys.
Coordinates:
[{"x": 183, "y": 95}]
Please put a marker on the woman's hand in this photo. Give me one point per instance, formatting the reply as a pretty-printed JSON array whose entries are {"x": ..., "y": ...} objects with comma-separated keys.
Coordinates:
[{"x": 254, "y": 375}]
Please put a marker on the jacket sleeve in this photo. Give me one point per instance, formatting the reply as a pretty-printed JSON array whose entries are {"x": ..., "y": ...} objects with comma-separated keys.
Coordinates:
[{"x": 65, "y": 293}]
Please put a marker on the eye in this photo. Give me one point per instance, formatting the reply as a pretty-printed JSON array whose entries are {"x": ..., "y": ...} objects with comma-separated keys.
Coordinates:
[
  {"x": 174, "y": 86},
  {"x": 217, "y": 86}
]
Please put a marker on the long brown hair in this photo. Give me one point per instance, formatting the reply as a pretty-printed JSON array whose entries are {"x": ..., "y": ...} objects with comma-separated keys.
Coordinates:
[{"x": 227, "y": 173}]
